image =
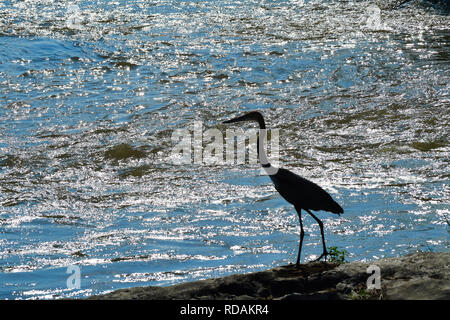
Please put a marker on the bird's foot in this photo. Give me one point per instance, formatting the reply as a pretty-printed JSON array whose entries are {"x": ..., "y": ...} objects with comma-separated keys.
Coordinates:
[{"x": 324, "y": 254}]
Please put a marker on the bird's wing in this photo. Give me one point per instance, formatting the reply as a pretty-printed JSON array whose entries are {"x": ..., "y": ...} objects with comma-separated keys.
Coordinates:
[{"x": 303, "y": 193}]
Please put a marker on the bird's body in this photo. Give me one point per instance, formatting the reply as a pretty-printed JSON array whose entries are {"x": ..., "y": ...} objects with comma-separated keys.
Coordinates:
[
  {"x": 298, "y": 191},
  {"x": 303, "y": 193}
]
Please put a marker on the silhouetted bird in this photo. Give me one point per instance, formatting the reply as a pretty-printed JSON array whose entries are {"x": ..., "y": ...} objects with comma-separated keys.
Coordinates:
[{"x": 298, "y": 191}]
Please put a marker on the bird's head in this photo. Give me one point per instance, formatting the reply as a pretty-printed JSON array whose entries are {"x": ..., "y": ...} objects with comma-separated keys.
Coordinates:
[{"x": 251, "y": 116}]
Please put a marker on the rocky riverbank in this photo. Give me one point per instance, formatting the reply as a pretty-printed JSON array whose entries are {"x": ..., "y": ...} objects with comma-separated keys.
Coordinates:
[{"x": 421, "y": 275}]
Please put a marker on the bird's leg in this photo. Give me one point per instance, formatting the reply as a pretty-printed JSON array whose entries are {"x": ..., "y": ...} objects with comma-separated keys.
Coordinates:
[
  {"x": 325, "y": 252},
  {"x": 302, "y": 234}
]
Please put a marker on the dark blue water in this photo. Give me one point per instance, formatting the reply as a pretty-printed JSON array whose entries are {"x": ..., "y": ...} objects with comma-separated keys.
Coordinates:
[{"x": 92, "y": 93}]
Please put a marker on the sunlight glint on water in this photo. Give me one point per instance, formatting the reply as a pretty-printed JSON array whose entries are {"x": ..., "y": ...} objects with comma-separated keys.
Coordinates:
[{"x": 91, "y": 93}]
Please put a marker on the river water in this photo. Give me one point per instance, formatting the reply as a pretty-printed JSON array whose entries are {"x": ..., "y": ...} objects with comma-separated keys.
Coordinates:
[{"x": 91, "y": 93}]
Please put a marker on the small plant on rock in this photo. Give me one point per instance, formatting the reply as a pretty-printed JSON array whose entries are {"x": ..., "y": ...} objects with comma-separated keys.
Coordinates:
[{"x": 337, "y": 255}]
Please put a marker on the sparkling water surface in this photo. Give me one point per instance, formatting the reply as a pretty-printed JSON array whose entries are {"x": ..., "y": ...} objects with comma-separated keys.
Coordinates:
[{"x": 91, "y": 93}]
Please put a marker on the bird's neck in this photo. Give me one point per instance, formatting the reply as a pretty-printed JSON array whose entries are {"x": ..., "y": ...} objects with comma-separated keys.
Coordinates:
[
  {"x": 260, "y": 147},
  {"x": 262, "y": 155}
]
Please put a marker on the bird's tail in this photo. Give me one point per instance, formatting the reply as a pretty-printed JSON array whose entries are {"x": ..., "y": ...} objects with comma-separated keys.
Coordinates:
[{"x": 336, "y": 208}]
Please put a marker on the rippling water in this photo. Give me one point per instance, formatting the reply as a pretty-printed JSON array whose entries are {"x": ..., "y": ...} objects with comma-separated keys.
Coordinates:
[{"x": 91, "y": 93}]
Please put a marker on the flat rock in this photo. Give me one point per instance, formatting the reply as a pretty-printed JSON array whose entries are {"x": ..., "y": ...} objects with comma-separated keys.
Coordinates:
[{"x": 421, "y": 275}]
